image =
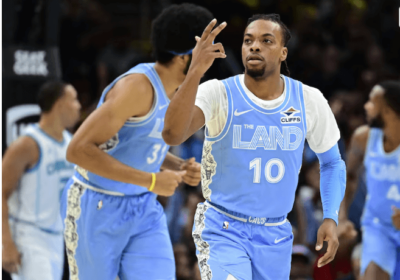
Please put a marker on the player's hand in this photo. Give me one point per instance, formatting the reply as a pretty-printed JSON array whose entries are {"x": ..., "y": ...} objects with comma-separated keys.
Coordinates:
[
  {"x": 11, "y": 257},
  {"x": 193, "y": 172},
  {"x": 205, "y": 51},
  {"x": 396, "y": 217},
  {"x": 346, "y": 230},
  {"x": 167, "y": 181},
  {"x": 327, "y": 232}
]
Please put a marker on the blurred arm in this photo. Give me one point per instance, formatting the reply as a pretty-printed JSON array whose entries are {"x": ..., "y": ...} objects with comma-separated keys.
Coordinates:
[
  {"x": 172, "y": 162},
  {"x": 354, "y": 163},
  {"x": 21, "y": 155}
]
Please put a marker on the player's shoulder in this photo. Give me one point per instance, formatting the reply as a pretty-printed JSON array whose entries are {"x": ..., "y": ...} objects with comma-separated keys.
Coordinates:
[
  {"x": 25, "y": 146},
  {"x": 213, "y": 86},
  {"x": 132, "y": 86},
  {"x": 312, "y": 94},
  {"x": 361, "y": 135}
]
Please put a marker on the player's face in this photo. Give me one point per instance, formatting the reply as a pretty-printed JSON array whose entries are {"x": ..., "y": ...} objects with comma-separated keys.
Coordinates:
[
  {"x": 374, "y": 106},
  {"x": 70, "y": 106},
  {"x": 262, "y": 49}
]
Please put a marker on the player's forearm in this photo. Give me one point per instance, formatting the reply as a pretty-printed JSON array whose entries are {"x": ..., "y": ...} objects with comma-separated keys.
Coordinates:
[
  {"x": 91, "y": 158},
  {"x": 351, "y": 188},
  {"x": 6, "y": 232},
  {"x": 172, "y": 162},
  {"x": 332, "y": 182},
  {"x": 179, "y": 114}
]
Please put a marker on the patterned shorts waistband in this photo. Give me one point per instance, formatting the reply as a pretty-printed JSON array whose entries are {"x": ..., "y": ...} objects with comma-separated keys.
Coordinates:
[
  {"x": 96, "y": 189},
  {"x": 261, "y": 221}
]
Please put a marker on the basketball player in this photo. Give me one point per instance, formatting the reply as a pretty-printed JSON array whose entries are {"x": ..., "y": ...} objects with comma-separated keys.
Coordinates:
[
  {"x": 34, "y": 173},
  {"x": 113, "y": 222},
  {"x": 377, "y": 146},
  {"x": 256, "y": 126}
]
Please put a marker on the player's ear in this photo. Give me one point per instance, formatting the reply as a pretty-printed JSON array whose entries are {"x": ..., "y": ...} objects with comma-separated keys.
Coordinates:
[
  {"x": 284, "y": 54},
  {"x": 185, "y": 58}
]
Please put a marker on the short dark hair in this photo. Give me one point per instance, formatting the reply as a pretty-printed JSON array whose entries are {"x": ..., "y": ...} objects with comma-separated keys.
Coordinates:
[
  {"x": 49, "y": 93},
  {"x": 392, "y": 95},
  {"x": 175, "y": 30},
  {"x": 286, "y": 35}
]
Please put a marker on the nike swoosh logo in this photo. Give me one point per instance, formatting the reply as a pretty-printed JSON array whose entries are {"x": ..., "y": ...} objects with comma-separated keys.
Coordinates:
[
  {"x": 162, "y": 107},
  {"x": 241, "y": 113},
  {"x": 279, "y": 240},
  {"x": 337, "y": 213}
]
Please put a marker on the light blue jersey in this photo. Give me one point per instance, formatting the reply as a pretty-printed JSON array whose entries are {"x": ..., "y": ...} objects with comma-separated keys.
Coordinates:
[
  {"x": 383, "y": 180},
  {"x": 138, "y": 143},
  {"x": 381, "y": 241},
  {"x": 252, "y": 166}
]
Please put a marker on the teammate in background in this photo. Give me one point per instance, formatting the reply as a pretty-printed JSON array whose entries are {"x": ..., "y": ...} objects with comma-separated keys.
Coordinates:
[
  {"x": 377, "y": 146},
  {"x": 256, "y": 127},
  {"x": 113, "y": 223},
  {"x": 34, "y": 173}
]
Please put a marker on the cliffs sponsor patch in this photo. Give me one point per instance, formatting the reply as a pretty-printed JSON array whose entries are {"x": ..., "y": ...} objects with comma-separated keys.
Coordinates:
[{"x": 290, "y": 116}]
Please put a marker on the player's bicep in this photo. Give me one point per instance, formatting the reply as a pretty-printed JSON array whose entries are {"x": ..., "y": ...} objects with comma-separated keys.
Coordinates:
[
  {"x": 198, "y": 121},
  {"x": 24, "y": 153},
  {"x": 100, "y": 126},
  {"x": 128, "y": 98}
]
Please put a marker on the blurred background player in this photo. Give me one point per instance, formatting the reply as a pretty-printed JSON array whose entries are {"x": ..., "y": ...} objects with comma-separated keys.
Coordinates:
[
  {"x": 34, "y": 172},
  {"x": 256, "y": 126},
  {"x": 113, "y": 223},
  {"x": 378, "y": 147}
]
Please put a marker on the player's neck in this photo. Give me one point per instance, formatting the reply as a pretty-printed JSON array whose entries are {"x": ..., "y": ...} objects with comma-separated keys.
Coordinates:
[
  {"x": 391, "y": 135},
  {"x": 52, "y": 126},
  {"x": 171, "y": 78},
  {"x": 266, "y": 88}
]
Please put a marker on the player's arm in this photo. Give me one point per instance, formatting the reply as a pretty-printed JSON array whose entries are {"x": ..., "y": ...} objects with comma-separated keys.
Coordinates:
[
  {"x": 183, "y": 118},
  {"x": 21, "y": 155},
  {"x": 193, "y": 168},
  {"x": 131, "y": 96},
  {"x": 355, "y": 157},
  {"x": 323, "y": 135}
]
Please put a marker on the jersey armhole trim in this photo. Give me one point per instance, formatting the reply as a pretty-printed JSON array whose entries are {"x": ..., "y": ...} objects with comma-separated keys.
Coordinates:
[
  {"x": 303, "y": 106},
  {"x": 37, "y": 164},
  {"x": 229, "y": 117},
  {"x": 153, "y": 111}
]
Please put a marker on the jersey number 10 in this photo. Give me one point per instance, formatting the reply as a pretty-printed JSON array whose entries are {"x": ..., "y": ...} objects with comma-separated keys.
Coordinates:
[{"x": 256, "y": 164}]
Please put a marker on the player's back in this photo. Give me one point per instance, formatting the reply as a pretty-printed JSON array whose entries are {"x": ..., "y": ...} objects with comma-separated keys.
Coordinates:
[
  {"x": 36, "y": 200},
  {"x": 383, "y": 180},
  {"x": 139, "y": 142}
]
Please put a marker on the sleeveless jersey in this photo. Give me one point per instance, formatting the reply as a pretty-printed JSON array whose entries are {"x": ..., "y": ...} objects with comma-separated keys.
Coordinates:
[
  {"x": 252, "y": 166},
  {"x": 36, "y": 200},
  {"x": 383, "y": 180},
  {"x": 139, "y": 143}
]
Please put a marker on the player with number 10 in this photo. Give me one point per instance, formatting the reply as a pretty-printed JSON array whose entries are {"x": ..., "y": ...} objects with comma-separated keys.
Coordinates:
[{"x": 256, "y": 126}]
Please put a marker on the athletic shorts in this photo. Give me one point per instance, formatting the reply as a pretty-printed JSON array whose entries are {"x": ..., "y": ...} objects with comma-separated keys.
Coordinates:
[
  {"x": 381, "y": 245},
  {"x": 232, "y": 246},
  {"x": 111, "y": 234},
  {"x": 42, "y": 253}
]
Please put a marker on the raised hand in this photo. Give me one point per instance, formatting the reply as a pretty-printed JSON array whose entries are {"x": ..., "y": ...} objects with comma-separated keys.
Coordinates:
[
  {"x": 205, "y": 51},
  {"x": 167, "y": 181},
  {"x": 193, "y": 172},
  {"x": 327, "y": 232}
]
